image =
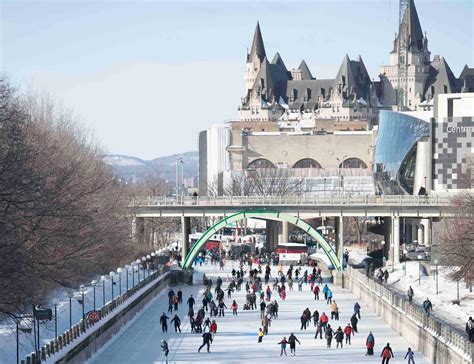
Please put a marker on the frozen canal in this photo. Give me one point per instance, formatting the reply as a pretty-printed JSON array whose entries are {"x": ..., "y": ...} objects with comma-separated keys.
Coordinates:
[{"x": 236, "y": 338}]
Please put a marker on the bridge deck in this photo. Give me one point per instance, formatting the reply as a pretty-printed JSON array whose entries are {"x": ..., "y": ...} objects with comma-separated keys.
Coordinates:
[{"x": 236, "y": 338}]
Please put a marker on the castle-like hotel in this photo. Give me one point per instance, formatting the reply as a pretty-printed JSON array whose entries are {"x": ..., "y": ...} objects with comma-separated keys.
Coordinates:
[{"x": 297, "y": 99}]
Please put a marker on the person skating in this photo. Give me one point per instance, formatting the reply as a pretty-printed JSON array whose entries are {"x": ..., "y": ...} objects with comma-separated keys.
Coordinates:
[
  {"x": 410, "y": 294},
  {"x": 206, "y": 340},
  {"x": 316, "y": 290},
  {"x": 339, "y": 336},
  {"x": 333, "y": 307},
  {"x": 411, "y": 356},
  {"x": 165, "y": 348},
  {"x": 325, "y": 291},
  {"x": 328, "y": 334},
  {"x": 347, "y": 332},
  {"x": 260, "y": 335},
  {"x": 354, "y": 322},
  {"x": 357, "y": 309},
  {"x": 370, "y": 343},
  {"x": 324, "y": 319},
  {"x": 164, "y": 322},
  {"x": 329, "y": 294},
  {"x": 282, "y": 344},
  {"x": 470, "y": 329},
  {"x": 221, "y": 307},
  {"x": 315, "y": 317},
  {"x": 234, "y": 308},
  {"x": 213, "y": 328},
  {"x": 293, "y": 340},
  {"x": 177, "y": 323},
  {"x": 263, "y": 306},
  {"x": 319, "y": 330},
  {"x": 386, "y": 354},
  {"x": 303, "y": 322},
  {"x": 180, "y": 296}
]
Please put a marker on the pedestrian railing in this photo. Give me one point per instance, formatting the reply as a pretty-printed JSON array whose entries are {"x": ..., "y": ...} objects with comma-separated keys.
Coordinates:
[
  {"x": 77, "y": 330},
  {"x": 449, "y": 334},
  {"x": 320, "y": 200}
]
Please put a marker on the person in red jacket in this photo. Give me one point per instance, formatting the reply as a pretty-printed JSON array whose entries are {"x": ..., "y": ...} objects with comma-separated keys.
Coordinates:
[
  {"x": 324, "y": 320},
  {"x": 234, "y": 308},
  {"x": 316, "y": 292},
  {"x": 370, "y": 343},
  {"x": 213, "y": 328},
  {"x": 347, "y": 332},
  {"x": 386, "y": 354}
]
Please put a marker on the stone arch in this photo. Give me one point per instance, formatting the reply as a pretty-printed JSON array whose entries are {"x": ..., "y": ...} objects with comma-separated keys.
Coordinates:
[
  {"x": 307, "y": 163},
  {"x": 353, "y": 163},
  {"x": 260, "y": 163},
  {"x": 263, "y": 214}
]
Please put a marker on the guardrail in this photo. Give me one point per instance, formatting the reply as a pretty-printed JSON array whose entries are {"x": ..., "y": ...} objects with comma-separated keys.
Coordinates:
[
  {"x": 76, "y": 331},
  {"x": 332, "y": 200},
  {"x": 451, "y": 335}
]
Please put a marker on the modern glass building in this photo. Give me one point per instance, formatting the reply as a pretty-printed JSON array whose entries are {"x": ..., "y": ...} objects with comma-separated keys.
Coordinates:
[{"x": 395, "y": 152}]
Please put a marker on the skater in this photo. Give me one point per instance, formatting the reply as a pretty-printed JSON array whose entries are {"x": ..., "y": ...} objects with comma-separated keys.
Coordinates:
[
  {"x": 180, "y": 296},
  {"x": 357, "y": 309},
  {"x": 260, "y": 335},
  {"x": 427, "y": 306},
  {"x": 339, "y": 336},
  {"x": 221, "y": 307},
  {"x": 470, "y": 329},
  {"x": 319, "y": 330},
  {"x": 354, "y": 322},
  {"x": 234, "y": 308},
  {"x": 410, "y": 294},
  {"x": 333, "y": 307},
  {"x": 263, "y": 306},
  {"x": 213, "y": 328},
  {"x": 370, "y": 343},
  {"x": 324, "y": 320},
  {"x": 328, "y": 334},
  {"x": 177, "y": 323},
  {"x": 206, "y": 340},
  {"x": 191, "y": 302},
  {"x": 316, "y": 292},
  {"x": 386, "y": 354},
  {"x": 325, "y": 291},
  {"x": 282, "y": 344},
  {"x": 411, "y": 356},
  {"x": 164, "y": 347},
  {"x": 315, "y": 317},
  {"x": 348, "y": 331},
  {"x": 303, "y": 322},
  {"x": 329, "y": 294},
  {"x": 164, "y": 322},
  {"x": 292, "y": 340}
]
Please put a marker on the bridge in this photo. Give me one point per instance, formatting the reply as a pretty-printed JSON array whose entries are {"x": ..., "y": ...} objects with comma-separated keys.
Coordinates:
[{"x": 294, "y": 210}]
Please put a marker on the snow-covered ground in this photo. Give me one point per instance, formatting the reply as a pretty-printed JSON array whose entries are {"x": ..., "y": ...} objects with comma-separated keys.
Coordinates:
[
  {"x": 236, "y": 338},
  {"x": 443, "y": 307}
]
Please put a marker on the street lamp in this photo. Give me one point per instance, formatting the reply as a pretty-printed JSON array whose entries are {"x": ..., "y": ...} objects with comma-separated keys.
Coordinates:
[
  {"x": 436, "y": 264},
  {"x": 70, "y": 295},
  {"x": 144, "y": 265},
  {"x": 103, "y": 279},
  {"x": 153, "y": 260},
  {"x": 405, "y": 252},
  {"x": 419, "y": 268},
  {"x": 111, "y": 275},
  {"x": 138, "y": 261},
  {"x": 94, "y": 283},
  {"x": 18, "y": 329},
  {"x": 133, "y": 264},
  {"x": 119, "y": 271},
  {"x": 148, "y": 261},
  {"x": 80, "y": 298},
  {"x": 56, "y": 303},
  {"x": 383, "y": 253}
]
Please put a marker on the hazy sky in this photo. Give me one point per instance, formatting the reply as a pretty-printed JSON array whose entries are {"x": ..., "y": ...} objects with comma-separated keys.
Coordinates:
[{"x": 147, "y": 76}]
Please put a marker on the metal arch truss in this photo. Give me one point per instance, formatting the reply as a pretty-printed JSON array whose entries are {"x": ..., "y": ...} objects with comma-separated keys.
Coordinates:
[{"x": 268, "y": 215}]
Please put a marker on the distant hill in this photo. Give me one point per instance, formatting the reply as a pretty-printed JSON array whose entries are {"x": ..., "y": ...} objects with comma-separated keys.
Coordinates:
[{"x": 134, "y": 169}]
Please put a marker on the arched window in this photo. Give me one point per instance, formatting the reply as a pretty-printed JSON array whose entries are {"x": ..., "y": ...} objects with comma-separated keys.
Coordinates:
[
  {"x": 353, "y": 163},
  {"x": 307, "y": 163},
  {"x": 260, "y": 164}
]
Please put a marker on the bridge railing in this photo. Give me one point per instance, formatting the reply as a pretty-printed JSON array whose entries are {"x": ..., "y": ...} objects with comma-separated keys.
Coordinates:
[
  {"x": 450, "y": 334},
  {"x": 330, "y": 200}
]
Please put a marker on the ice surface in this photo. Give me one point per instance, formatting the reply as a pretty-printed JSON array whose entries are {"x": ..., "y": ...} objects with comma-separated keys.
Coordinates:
[{"x": 236, "y": 338}]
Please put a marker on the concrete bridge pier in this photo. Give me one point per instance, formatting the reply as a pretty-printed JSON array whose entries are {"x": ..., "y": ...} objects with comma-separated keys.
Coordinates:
[
  {"x": 284, "y": 232},
  {"x": 392, "y": 239},
  {"x": 185, "y": 230},
  {"x": 339, "y": 235}
]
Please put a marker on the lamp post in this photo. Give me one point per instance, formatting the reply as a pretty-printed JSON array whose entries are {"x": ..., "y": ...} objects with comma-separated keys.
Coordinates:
[
  {"x": 127, "y": 267},
  {"x": 324, "y": 193},
  {"x": 18, "y": 329},
  {"x": 132, "y": 264},
  {"x": 339, "y": 167},
  {"x": 383, "y": 253},
  {"x": 80, "y": 298},
  {"x": 70, "y": 295},
  {"x": 153, "y": 260},
  {"x": 103, "y": 279},
  {"x": 436, "y": 264},
  {"x": 56, "y": 303},
  {"x": 111, "y": 275},
  {"x": 138, "y": 261},
  {"x": 419, "y": 268},
  {"x": 405, "y": 252},
  {"x": 119, "y": 271},
  {"x": 94, "y": 283}
]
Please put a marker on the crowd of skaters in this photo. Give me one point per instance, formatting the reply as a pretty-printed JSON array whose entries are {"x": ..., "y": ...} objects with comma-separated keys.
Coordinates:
[{"x": 213, "y": 304}]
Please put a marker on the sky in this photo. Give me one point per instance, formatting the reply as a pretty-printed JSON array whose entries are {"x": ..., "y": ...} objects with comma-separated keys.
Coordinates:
[{"x": 147, "y": 76}]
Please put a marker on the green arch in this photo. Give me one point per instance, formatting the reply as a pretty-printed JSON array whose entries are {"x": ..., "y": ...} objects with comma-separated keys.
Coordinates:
[{"x": 264, "y": 214}]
